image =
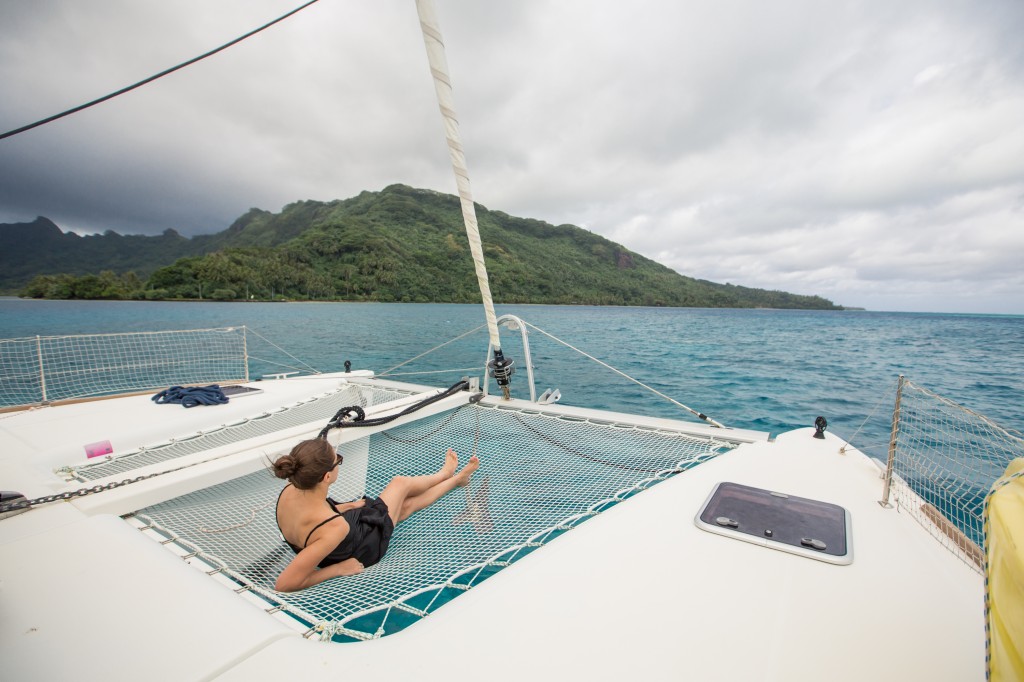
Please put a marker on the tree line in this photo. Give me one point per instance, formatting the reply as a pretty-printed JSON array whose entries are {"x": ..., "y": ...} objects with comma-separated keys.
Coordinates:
[
  {"x": 230, "y": 275},
  {"x": 407, "y": 245}
]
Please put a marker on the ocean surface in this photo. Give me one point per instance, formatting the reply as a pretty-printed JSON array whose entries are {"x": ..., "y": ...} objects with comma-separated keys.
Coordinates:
[{"x": 768, "y": 370}]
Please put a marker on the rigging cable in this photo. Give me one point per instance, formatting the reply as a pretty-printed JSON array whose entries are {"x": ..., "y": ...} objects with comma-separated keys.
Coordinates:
[
  {"x": 129, "y": 88},
  {"x": 695, "y": 413}
]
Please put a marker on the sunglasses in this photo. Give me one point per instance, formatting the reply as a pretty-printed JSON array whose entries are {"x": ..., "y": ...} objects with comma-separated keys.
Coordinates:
[{"x": 338, "y": 461}]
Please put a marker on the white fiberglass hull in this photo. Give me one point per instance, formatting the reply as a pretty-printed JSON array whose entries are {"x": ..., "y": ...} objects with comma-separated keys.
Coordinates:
[{"x": 638, "y": 590}]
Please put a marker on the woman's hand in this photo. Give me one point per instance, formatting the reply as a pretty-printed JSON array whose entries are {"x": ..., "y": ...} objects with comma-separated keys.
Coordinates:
[{"x": 347, "y": 567}]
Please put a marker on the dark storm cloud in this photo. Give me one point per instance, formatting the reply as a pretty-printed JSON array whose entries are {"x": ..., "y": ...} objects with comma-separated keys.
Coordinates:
[{"x": 869, "y": 152}]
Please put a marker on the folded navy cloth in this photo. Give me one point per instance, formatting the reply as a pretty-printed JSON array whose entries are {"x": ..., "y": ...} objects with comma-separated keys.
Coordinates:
[{"x": 192, "y": 396}]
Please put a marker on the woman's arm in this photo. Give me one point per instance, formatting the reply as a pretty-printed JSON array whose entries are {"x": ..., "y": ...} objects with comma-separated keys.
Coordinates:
[
  {"x": 286, "y": 583},
  {"x": 302, "y": 572}
]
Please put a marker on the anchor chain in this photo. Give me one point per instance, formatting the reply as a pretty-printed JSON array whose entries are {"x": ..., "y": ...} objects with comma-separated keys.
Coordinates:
[{"x": 23, "y": 503}]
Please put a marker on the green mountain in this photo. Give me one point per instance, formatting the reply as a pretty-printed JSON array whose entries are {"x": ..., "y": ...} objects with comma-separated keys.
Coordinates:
[
  {"x": 399, "y": 244},
  {"x": 40, "y": 247}
]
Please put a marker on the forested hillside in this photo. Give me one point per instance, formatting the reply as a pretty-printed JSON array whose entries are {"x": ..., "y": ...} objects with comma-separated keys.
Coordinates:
[
  {"x": 40, "y": 247},
  {"x": 399, "y": 244}
]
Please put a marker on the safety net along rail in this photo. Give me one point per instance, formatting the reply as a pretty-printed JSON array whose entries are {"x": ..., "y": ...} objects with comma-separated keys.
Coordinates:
[
  {"x": 540, "y": 475},
  {"x": 947, "y": 456},
  {"x": 42, "y": 369}
]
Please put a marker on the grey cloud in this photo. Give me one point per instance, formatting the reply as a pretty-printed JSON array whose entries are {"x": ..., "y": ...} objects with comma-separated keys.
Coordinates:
[{"x": 869, "y": 152}]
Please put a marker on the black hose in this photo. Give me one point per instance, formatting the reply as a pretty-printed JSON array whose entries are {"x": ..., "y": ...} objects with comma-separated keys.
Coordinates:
[{"x": 358, "y": 418}]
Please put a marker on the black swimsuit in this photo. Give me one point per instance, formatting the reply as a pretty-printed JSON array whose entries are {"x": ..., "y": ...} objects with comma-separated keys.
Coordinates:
[{"x": 369, "y": 532}]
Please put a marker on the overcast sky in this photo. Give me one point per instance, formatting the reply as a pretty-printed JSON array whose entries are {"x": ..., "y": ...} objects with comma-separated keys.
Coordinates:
[{"x": 870, "y": 152}]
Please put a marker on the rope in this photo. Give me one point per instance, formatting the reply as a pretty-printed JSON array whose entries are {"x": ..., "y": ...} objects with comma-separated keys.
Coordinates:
[
  {"x": 579, "y": 453},
  {"x": 434, "y": 44},
  {"x": 166, "y": 72},
  {"x": 191, "y": 396},
  {"x": 354, "y": 416},
  {"x": 243, "y": 524}
]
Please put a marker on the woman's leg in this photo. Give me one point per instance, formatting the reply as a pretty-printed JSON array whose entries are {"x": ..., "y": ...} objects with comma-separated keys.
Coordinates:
[
  {"x": 415, "y": 503},
  {"x": 402, "y": 487}
]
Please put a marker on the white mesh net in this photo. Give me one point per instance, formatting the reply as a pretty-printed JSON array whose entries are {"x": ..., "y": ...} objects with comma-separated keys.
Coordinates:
[
  {"x": 540, "y": 476},
  {"x": 51, "y": 368},
  {"x": 313, "y": 411},
  {"x": 948, "y": 457}
]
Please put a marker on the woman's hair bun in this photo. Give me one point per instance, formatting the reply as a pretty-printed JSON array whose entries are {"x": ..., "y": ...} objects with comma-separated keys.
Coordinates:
[
  {"x": 285, "y": 466},
  {"x": 307, "y": 464}
]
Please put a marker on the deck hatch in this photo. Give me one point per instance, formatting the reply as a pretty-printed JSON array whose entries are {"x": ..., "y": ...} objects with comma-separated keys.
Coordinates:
[{"x": 810, "y": 528}]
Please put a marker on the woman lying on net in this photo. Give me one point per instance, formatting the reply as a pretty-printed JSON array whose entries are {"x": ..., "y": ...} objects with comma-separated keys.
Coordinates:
[{"x": 342, "y": 539}]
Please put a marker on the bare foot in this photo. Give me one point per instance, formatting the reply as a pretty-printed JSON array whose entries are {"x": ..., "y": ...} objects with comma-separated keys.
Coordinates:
[
  {"x": 462, "y": 478},
  {"x": 451, "y": 463}
]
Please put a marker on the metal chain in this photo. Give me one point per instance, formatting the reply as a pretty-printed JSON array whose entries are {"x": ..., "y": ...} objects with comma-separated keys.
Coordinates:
[{"x": 82, "y": 492}]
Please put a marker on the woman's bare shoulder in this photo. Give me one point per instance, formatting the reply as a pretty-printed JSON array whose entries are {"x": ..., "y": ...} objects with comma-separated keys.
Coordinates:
[{"x": 333, "y": 530}]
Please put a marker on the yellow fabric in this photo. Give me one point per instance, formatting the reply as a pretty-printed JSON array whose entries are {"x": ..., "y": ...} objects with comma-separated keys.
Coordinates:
[{"x": 1005, "y": 547}]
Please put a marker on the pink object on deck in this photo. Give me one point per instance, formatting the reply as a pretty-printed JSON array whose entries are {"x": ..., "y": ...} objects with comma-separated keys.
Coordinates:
[{"x": 98, "y": 449}]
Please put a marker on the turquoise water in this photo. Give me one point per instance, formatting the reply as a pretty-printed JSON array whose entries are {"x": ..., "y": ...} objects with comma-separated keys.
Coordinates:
[{"x": 769, "y": 370}]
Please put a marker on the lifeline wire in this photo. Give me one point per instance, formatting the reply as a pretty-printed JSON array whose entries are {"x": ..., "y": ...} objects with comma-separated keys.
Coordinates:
[
  {"x": 314, "y": 370},
  {"x": 699, "y": 415},
  {"x": 129, "y": 88}
]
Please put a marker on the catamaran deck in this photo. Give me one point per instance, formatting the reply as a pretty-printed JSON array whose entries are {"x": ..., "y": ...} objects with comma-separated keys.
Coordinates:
[
  {"x": 637, "y": 590},
  {"x": 641, "y": 592}
]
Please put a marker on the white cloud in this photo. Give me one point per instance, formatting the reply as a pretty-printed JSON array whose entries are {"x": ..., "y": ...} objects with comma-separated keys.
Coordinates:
[{"x": 871, "y": 152}]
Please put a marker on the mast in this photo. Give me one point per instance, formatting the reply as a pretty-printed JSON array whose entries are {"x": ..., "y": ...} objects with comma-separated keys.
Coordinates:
[{"x": 500, "y": 367}]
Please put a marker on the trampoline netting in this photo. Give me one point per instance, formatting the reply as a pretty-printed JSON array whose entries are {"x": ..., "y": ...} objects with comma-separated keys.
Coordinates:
[
  {"x": 541, "y": 475},
  {"x": 309, "y": 411}
]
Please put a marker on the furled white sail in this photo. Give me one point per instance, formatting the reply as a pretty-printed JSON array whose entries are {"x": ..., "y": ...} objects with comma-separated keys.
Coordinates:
[{"x": 442, "y": 85}]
